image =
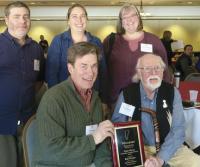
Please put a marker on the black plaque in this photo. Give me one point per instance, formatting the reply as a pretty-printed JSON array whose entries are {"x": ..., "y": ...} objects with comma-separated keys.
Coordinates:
[{"x": 127, "y": 146}]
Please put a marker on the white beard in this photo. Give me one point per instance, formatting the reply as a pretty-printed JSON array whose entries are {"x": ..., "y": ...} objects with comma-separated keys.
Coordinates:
[{"x": 153, "y": 86}]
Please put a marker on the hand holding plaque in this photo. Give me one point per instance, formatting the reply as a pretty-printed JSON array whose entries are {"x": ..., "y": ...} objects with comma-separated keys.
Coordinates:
[
  {"x": 104, "y": 130},
  {"x": 127, "y": 145}
]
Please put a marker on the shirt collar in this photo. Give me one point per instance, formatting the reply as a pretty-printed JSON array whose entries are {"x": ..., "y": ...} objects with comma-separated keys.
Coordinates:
[
  {"x": 9, "y": 36},
  {"x": 80, "y": 91},
  {"x": 67, "y": 35},
  {"x": 143, "y": 93},
  {"x": 85, "y": 96}
]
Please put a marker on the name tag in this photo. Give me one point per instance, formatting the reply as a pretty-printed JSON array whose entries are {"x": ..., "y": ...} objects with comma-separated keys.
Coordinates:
[
  {"x": 36, "y": 65},
  {"x": 90, "y": 129},
  {"x": 127, "y": 109},
  {"x": 146, "y": 47}
]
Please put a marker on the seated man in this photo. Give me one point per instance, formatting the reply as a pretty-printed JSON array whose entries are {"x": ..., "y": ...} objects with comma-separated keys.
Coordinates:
[
  {"x": 184, "y": 63},
  {"x": 68, "y": 116},
  {"x": 152, "y": 94}
]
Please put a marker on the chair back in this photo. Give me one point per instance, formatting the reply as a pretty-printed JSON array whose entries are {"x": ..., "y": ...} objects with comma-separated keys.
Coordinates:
[
  {"x": 28, "y": 140},
  {"x": 184, "y": 88},
  {"x": 193, "y": 77}
]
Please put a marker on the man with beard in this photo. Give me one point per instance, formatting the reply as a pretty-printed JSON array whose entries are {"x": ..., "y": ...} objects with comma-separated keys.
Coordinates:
[
  {"x": 151, "y": 96},
  {"x": 21, "y": 76}
]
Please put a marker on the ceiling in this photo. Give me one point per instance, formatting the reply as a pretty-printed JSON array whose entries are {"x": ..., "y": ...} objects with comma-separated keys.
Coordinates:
[{"x": 107, "y": 2}]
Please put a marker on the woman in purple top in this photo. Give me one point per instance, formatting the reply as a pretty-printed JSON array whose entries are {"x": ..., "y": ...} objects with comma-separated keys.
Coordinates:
[{"x": 130, "y": 43}]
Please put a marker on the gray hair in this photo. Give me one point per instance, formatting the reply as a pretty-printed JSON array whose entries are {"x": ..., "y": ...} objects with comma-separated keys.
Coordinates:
[{"x": 135, "y": 77}]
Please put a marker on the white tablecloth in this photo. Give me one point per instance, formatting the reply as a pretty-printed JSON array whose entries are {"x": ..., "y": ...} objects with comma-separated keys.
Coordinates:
[{"x": 192, "y": 117}]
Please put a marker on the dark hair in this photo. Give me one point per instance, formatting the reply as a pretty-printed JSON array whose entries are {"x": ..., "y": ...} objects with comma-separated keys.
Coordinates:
[
  {"x": 80, "y": 49},
  {"x": 167, "y": 34},
  {"x": 188, "y": 45},
  {"x": 17, "y": 4},
  {"x": 74, "y": 6},
  {"x": 128, "y": 6}
]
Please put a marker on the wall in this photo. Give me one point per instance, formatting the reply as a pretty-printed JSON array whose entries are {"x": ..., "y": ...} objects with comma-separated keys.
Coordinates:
[
  {"x": 186, "y": 30},
  {"x": 183, "y": 21}
]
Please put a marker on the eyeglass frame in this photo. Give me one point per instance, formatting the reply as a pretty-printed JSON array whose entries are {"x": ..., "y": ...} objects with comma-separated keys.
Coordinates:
[
  {"x": 129, "y": 17},
  {"x": 148, "y": 69}
]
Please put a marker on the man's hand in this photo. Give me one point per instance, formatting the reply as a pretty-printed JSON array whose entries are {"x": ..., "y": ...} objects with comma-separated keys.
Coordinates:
[
  {"x": 153, "y": 162},
  {"x": 104, "y": 130}
]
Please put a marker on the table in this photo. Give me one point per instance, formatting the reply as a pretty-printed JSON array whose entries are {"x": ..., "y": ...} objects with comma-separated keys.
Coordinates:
[
  {"x": 184, "y": 88},
  {"x": 192, "y": 132}
]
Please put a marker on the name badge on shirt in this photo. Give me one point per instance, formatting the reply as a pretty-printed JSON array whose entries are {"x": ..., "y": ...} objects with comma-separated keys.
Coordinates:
[
  {"x": 146, "y": 47},
  {"x": 36, "y": 65},
  {"x": 90, "y": 129},
  {"x": 127, "y": 109}
]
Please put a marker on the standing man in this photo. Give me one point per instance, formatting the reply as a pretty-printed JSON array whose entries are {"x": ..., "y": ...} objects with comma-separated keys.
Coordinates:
[
  {"x": 21, "y": 74},
  {"x": 70, "y": 131},
  {"x": 44, "y": 44},
  {"x": 158, "y": 106},
  {"x": 167, "y": 41}
]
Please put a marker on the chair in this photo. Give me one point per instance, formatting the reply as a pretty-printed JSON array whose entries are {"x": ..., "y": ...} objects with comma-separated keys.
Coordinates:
[
  {"x": 40, "y": 93},
  {"x": 193, "y": 77},
  {"x": 28, "y": 140},
  {"x": 184, "y": 88}
]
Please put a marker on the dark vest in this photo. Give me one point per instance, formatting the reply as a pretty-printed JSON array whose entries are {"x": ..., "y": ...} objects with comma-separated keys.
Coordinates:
[{"x": 165, "y": 92}]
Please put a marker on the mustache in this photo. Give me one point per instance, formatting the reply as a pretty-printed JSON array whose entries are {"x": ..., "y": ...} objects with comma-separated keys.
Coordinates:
[{"x": 153, "y": 77}]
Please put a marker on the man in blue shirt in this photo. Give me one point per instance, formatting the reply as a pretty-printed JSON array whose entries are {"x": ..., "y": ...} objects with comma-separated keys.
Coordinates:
[
  {"x": 156, "y": 97},
  {"x": 21, "y": 74}
]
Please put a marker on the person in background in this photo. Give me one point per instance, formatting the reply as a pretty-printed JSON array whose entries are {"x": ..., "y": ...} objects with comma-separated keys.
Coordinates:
[
  {"x": 184, "y": 63},
  {"x": 167, "y": 40},
  {"x": 56, "y": 70},
  {"x": 70, "y": 131},
  {"x": 44, "y": 44},
  {"x": 130, "y": 43},
  {"x": 21, "y": 75},
  {"x": 151, "y": 98},
  {"x": 197, "y": 65}
]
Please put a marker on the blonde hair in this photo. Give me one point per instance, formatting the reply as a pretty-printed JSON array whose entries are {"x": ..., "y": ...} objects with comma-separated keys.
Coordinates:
[
  {"x": 76, "y": 5},
  {"x": 125, "y": 7}
]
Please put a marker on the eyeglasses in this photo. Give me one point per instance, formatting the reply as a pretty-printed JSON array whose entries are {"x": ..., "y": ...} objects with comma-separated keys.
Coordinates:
[
  {"x": 150, "y": 69},
  {"x": 129, "y": 17}
]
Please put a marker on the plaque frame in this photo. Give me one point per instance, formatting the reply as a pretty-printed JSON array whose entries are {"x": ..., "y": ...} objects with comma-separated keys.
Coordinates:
[{"x": 136, "y": 126}]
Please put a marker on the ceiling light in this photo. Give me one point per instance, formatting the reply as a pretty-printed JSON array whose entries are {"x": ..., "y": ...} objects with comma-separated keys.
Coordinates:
[{"x": 142, "y": 13}]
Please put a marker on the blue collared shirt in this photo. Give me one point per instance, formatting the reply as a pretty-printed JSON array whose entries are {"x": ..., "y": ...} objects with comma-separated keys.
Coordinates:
[
  {"x": 56, "y": 66},
  {"x": 18, "y": 75},
  {"x": 176, "y": 135}
]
